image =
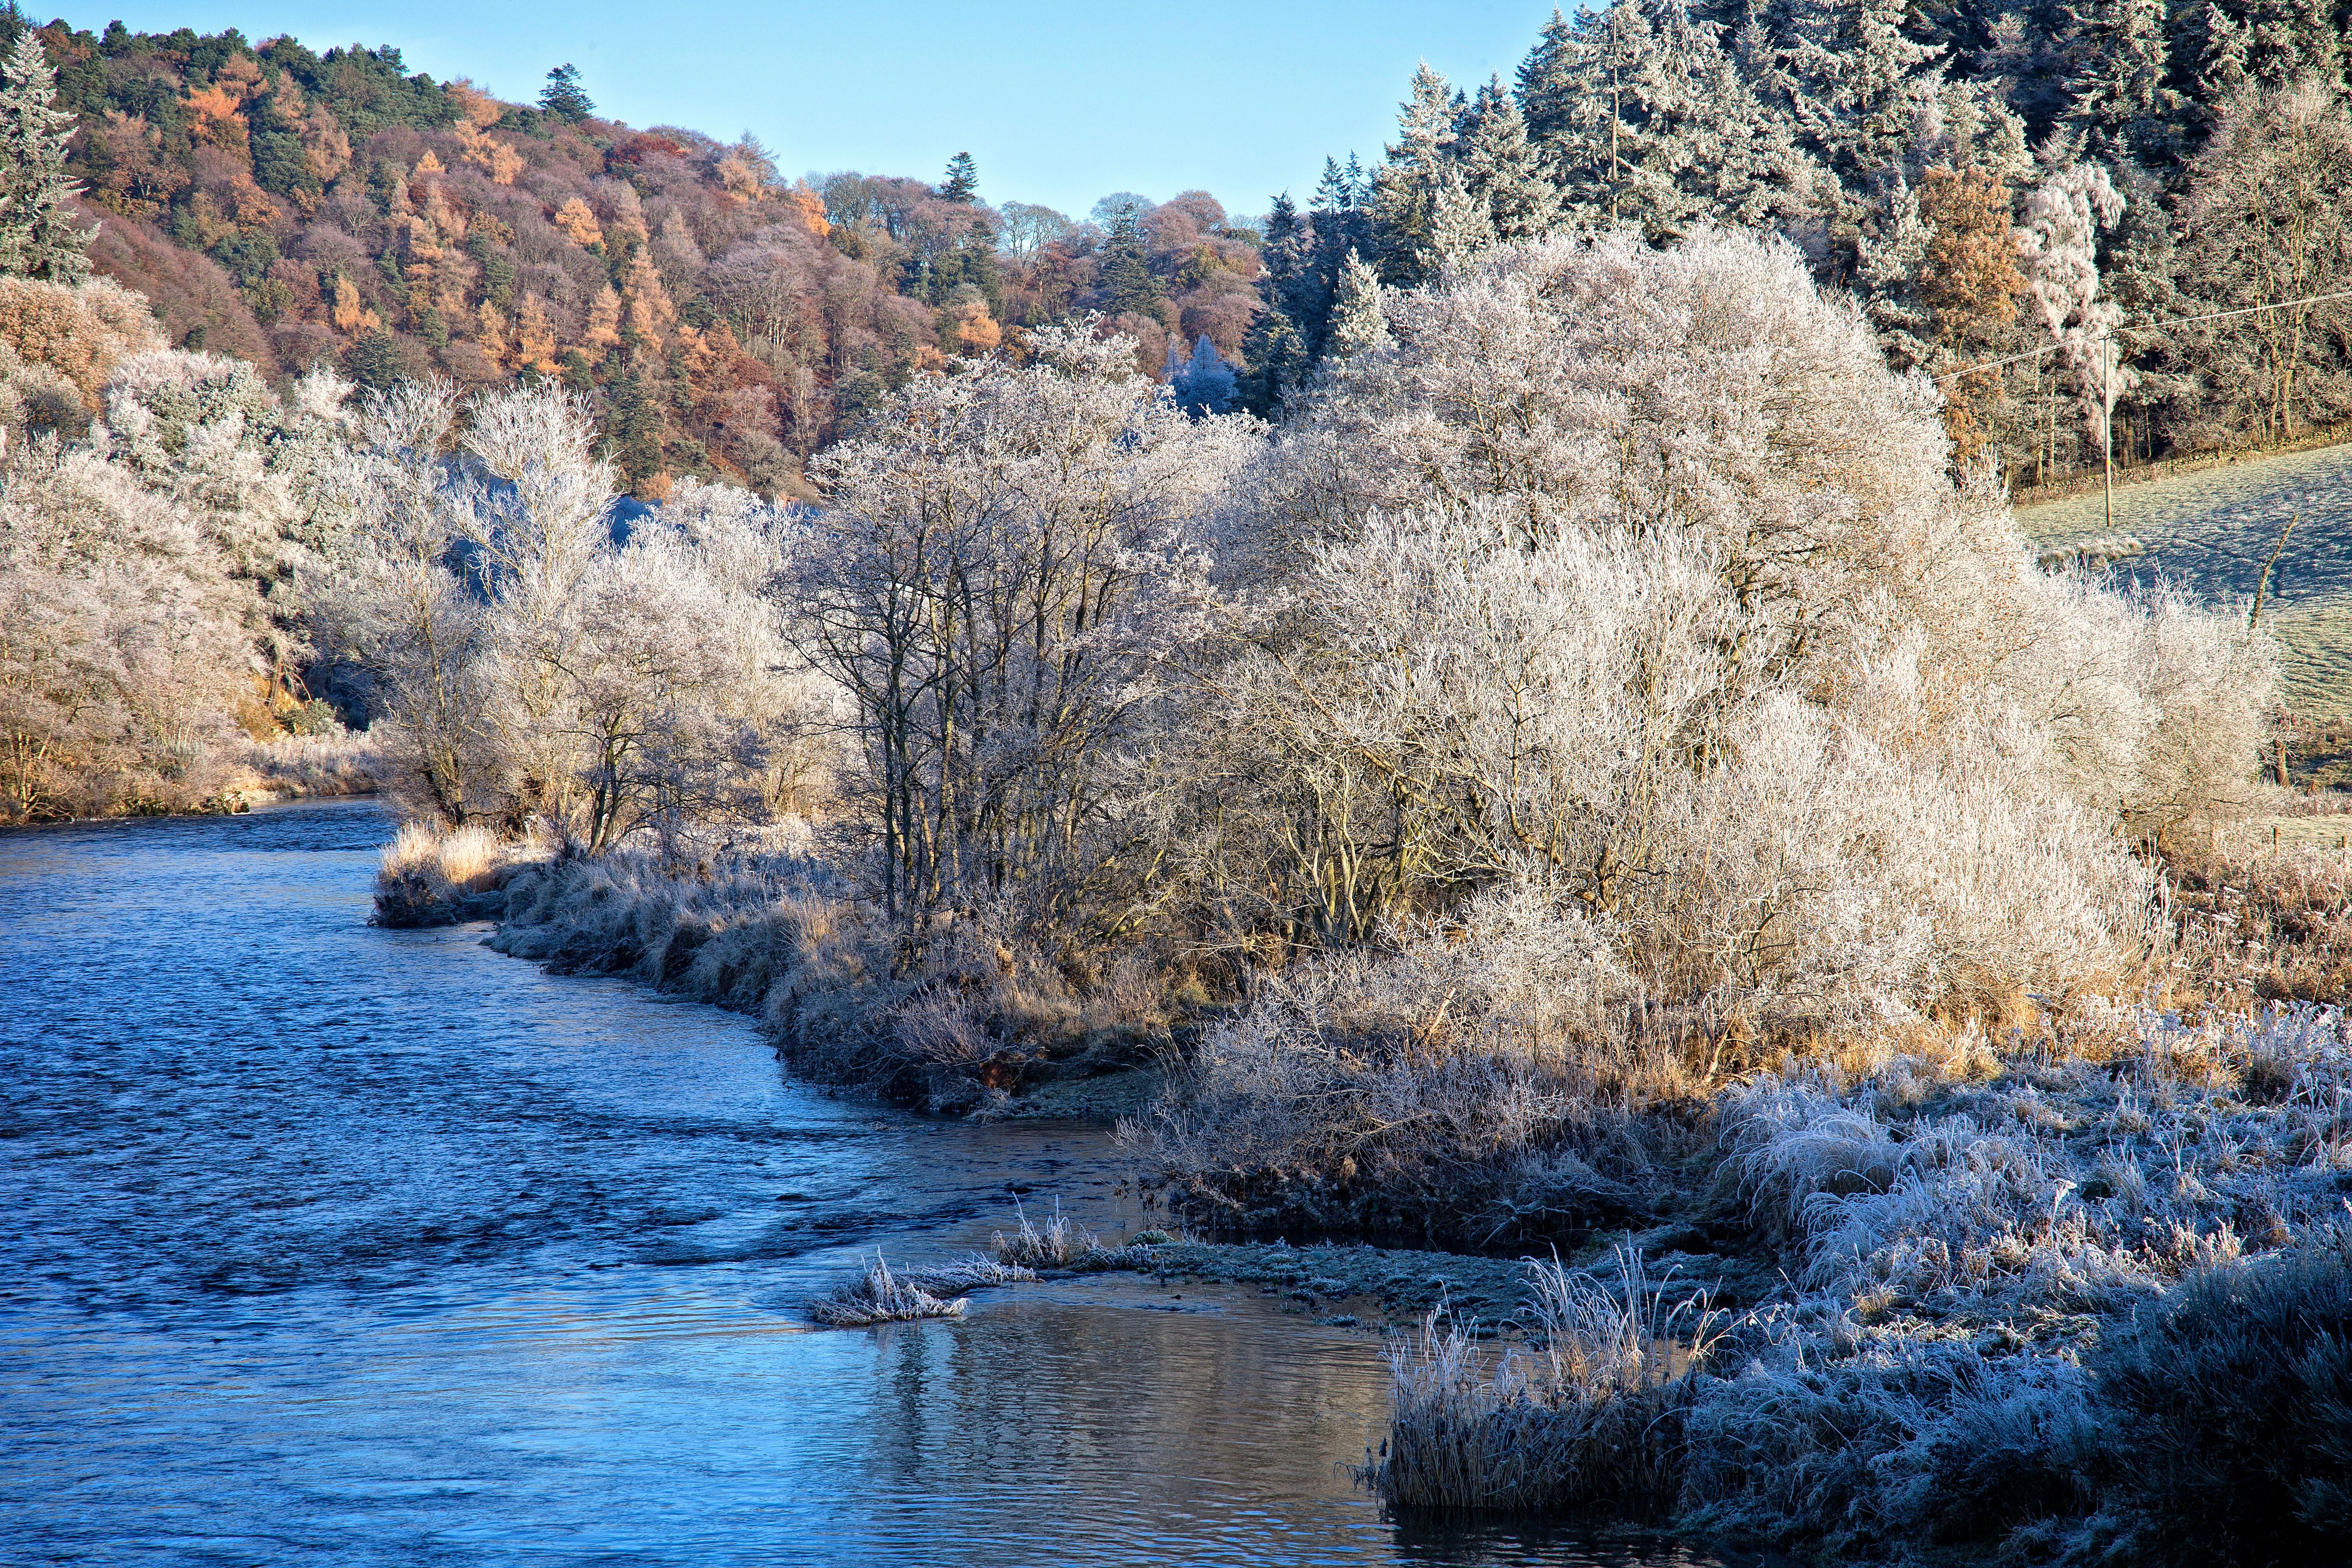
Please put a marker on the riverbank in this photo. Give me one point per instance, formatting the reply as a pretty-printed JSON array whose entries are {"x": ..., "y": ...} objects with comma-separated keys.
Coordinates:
[
  {"x": 226, "y": 780},
  {"x": 967, "y": 1028},
  {"x": 1899, "y": 1281}
]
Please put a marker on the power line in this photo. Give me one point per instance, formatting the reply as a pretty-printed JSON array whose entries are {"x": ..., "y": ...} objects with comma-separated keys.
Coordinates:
[{"x": 2174, "y": 321}]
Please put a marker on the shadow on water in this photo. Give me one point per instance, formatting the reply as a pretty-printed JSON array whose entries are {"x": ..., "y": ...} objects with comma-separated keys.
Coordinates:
[{"x": 335, "y": 1245}]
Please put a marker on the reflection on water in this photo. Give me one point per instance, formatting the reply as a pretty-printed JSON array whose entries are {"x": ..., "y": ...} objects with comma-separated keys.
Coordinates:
[{"x": 333, "y": 1245}]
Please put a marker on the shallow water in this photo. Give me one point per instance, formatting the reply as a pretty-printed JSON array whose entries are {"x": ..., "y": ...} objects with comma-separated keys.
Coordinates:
[{"x": 333, "y": 1245}]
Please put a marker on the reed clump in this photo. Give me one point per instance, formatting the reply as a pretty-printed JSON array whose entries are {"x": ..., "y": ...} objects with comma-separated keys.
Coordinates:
[
  {"x": 434, "y": 876},
  {"x": 1587, "y": 1415},
  {"x": 879, "y": 1296}
]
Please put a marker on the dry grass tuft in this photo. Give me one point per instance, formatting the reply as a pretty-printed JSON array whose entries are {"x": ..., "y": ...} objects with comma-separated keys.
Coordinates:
[
  {"x": 1587, "y": 1418},
  {"x": 878, "y": 1296},
  {"x": 432, "y": 875}
]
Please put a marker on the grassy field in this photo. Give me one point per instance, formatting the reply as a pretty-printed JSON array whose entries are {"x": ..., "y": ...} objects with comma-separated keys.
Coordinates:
[{"x": 2210, "y": 532}]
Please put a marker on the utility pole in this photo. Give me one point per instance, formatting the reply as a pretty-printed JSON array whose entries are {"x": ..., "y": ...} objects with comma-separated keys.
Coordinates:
[
  {"x": 2107, "y": 418},
  {"x": 1616, "y": 166}
]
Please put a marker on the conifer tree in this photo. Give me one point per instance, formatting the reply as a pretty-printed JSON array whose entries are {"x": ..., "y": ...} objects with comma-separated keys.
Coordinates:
[
  {"x": 1502, "y": 169},
  {"x": 1403, "y": 196},
  {"x": 1462, "y": 227},
  {"x": 563, "y": 97},
  {"x": 1644, "y": 120},
  {"x": 2119, "y": 59},
  {"x": 1205, "y": 384},
  {"x": 1279, "y": 361},
  {"x": 40, "y": 240},
  {"x": 962, "y": 183},
  {"x": 1274, "y": 349},
  {"x": 1358, "y": 321},
  {"x": 1340, "y": 220},
  {"x": 1124, "y": 277}
]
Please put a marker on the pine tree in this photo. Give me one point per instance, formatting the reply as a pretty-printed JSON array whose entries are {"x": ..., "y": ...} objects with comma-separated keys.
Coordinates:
[
  {"x": 563, "y": 98},
  {"x": 40, "y": 240},
  {"x": 1358, "y": 321},
  {"x": 2118, "y": 58},
  {"x": 1502, "y": 169},
  {"x": 1125, "y": 277},
  {"x": 962, "y": 182}
]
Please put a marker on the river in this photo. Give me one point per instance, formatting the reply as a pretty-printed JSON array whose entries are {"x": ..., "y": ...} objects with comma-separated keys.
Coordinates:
[{"x": 333, "y": 1245}]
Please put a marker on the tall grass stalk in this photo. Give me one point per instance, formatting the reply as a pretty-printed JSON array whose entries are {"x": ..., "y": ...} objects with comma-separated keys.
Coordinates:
[{"x": 1587, "y": 1417}]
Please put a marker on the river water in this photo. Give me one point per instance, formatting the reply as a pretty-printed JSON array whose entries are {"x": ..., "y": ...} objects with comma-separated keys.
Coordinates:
[{"x": 333, "y": 1245}]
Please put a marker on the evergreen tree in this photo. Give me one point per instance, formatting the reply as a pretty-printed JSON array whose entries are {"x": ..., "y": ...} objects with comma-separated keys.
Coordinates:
[
  {"x": 1279, "y": 361},
  {"x": 563, "y": 97},
  {"x": 1643, "y": 119},
  {"x": 2119, "y": 59},
  {"x": 632, "y": 428},
  {"x": 1502, "y": 168},
  {"x": 1402, "y": 200},
  {"x": 1205, "y": 384},
  {"x": 1124, "y": 275},
  {"x": 1358, "y": 321},
  {"x": 37, "y": 233},
  {"x": 962, "y": 182},
  {"x": 1462, "y": 227},
  {"x": 373, "y": 360},
  {"x": 1339, "y": 220}
]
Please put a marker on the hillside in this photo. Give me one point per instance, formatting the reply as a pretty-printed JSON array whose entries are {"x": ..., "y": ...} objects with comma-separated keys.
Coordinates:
[{"x": 291, "y": 207}]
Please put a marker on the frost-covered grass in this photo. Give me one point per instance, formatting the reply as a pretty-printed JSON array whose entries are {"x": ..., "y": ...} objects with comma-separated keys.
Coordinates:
[
  {"x": 430, "y": 875},
  {"x": 1587, "y": 1415},
  {"x": 1061, "y": 1242},
  {"x": 879, "y": 1296},
  {"x": 960, "y": 1021},
  {"x": 2086, "y": 1297}
]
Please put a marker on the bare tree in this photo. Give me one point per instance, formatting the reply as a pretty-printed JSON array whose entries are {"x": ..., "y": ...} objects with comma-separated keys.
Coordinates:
[{"x": 987, "y": 581}]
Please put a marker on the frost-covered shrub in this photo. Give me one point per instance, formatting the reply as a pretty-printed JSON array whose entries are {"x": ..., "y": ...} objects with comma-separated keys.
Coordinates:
[
  {"x": 1635, "y": 575},
  {"x": 1880, "y": 1443},
  {"x": 1440, "y": 1083}
]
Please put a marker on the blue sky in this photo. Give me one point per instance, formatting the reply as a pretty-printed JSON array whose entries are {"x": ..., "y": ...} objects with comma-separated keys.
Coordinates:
[{"x": 1059, "y": 103}]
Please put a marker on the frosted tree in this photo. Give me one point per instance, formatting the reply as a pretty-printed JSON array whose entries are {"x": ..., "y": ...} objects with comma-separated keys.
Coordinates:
[
  {"x": 397, "y": 607},
  {"x": 1205, "y": 383},
  {"x": 1404, "y": 199},
  {"x": 36, "y": 195},
  {"x": 989, "y": 583},
  {"x": 2266, "y": 224},
  {"x": 1759, "y": 705},
  {"x": 1461, "y": 228},
  {"x": 1360, "y": 319},
  {"x": 1643, "y": 118},
  {"x": 2059, "y": 245},
  {"x": 1502, "y": 168},
  {"x": 2119, "y": 62}
]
